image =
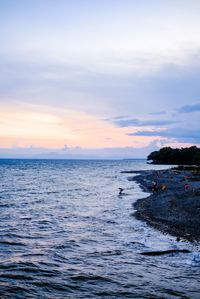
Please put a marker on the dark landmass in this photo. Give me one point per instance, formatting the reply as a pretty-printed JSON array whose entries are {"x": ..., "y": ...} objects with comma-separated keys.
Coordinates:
[
  {"x": 176, "y": 156},
  {"x": 175, "y": 207},
  {"x": 154, "y": 253}
]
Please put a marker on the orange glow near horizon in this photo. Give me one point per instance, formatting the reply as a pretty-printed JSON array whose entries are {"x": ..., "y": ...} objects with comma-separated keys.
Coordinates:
[{"x": 25, "y": 126}]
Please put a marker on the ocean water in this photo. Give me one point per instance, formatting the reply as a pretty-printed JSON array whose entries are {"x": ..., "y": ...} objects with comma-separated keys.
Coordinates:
[{"x": 65, "y": 233}]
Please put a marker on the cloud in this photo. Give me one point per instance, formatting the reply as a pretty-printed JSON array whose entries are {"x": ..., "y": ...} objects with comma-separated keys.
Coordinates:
[
  {"x": 141, "y": 123},
  {"x": 190, "y": 108},
  {"x": 98, "y": 88},
  {"x": 79, "y": 153},
  {"x": 158, "y": 113},
  {"x": 180, "y": 134}
]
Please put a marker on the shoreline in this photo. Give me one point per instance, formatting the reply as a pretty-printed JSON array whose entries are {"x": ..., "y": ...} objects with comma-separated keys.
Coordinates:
[{"x": 174, "y": 210}]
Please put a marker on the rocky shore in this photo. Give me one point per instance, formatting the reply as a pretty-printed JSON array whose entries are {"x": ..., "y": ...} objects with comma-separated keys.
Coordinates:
[{"x": 175, "y": 207}]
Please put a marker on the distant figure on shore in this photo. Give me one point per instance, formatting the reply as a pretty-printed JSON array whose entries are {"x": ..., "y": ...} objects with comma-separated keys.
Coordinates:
[
  {"x": 163, "y": 187},
  {"x": 155, "y": 186},
  {"x": 185, "y": 179},
  {"x": 186, "y": 186},
  {"x": 120, "y": 191}
]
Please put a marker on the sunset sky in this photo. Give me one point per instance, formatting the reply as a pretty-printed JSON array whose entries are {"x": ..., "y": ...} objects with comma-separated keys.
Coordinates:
[{"x": 98, "y": 77}]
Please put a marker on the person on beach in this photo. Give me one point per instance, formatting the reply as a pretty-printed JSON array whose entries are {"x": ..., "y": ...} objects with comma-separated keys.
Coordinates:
[
  {"x": 155, "y": 186},
  {"x": 163, "y": 187},
  {"x": 120, "y": 191},
  {"x": 186, "y": 186}
]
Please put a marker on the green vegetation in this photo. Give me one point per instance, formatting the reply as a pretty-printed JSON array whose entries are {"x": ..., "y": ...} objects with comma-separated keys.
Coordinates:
[{"x": 183, "y": 156}]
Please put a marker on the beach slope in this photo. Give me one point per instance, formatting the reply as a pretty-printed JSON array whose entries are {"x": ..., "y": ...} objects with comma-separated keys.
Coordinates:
[{"x": 176, "y": 208}]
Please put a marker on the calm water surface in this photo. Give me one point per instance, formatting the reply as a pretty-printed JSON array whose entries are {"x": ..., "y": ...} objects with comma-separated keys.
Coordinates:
[{"x": 65, "y": 233}]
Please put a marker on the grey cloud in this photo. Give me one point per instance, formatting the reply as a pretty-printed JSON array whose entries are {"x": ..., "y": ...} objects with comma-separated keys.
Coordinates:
[
  {"x": 190, "y": 108},
  {"x": 180, "y": 134},
  {"x": 115, "y": 118},
  {"x": 142, "y": 123},
  {"x": 101, "y": 92},
  {"x": 148, "y": 133},
  {"x": 158, "y": 113}
]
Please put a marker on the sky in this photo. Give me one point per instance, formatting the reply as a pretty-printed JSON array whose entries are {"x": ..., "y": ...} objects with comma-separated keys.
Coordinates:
[{"x": 98, "y": 78}]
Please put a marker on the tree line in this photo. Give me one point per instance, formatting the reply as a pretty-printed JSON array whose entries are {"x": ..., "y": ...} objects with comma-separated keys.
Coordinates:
[{"x": 176, "y": 156}]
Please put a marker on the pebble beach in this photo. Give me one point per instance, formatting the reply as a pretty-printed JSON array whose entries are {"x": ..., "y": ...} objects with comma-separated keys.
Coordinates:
[{"x": 175, "y": 207}]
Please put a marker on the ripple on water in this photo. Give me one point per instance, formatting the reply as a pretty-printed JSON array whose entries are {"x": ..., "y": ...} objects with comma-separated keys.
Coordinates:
[{"x": 65, "y": 233}]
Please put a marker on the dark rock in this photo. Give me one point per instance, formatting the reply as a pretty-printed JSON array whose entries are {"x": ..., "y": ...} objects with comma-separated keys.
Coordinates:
[{"x": 153, "y": 253}]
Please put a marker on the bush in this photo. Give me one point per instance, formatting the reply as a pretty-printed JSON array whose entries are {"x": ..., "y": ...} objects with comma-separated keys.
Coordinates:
[{"x": 183, "y": 156}]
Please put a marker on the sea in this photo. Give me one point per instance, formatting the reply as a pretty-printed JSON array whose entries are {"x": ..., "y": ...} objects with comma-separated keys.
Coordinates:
[{"x": 66, "y": 233}]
